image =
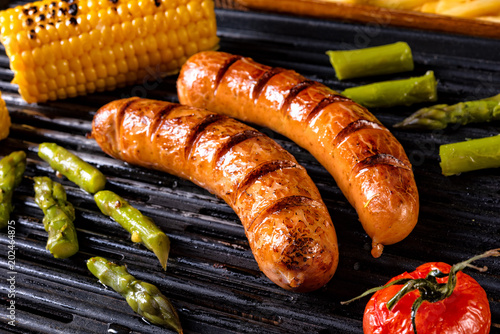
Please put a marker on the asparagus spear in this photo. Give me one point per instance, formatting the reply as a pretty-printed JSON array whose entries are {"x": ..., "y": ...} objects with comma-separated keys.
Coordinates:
[
  {"x": 395, "y": 92},
  {"x": 144, "y": 298},
  {"x": 12, "y": 168},
  {"x": 75, "y": 169},
  {"x": 142, "y": 228},
  {"x": 385, "y": 59},
  {"x": 470, "y": 155},
  {"x": 439, "y": 116},
  {"x": 58, "y": 218}
]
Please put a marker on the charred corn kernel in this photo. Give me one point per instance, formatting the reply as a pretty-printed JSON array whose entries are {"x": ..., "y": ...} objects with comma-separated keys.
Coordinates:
[
  {"x": 60, "y": 49},
  {"x": 4, "y": 119}
]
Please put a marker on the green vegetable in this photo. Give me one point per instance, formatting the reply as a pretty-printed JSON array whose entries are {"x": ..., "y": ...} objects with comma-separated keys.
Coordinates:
[
  {"x": 470, "y": 155},
  {"x": 142, "y": 228},
  {"x": 439, "y": 116},
  {"x": 58, "y": 218},
  {"x": 12, "y": 168},
  {"x": 385, "y": 59},
  {"x": 395, "y": 92},
  {"x": 75, "y": 169},
  {"x": 144, "y": 298}
]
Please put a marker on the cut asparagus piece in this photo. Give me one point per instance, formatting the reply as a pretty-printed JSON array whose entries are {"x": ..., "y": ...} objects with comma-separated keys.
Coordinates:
[
  {"x": 441, "y": 115},
  {"x": 470, "y": 155},
  {"x": 75, "y": 169},
  {"x": 58, "y": 218},
  {"x": 395, "y": 92},
  {"x": 385, "y": 59},
  {"x": 144, "y": 298},
  {"x": 12, "y": 168},
  {"x": 142, "y": 228}
]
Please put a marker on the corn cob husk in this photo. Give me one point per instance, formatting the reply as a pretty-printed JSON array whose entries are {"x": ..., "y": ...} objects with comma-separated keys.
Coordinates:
[
  {"x": 60, "y": 49},
  {"x": 4, "y": 119}
]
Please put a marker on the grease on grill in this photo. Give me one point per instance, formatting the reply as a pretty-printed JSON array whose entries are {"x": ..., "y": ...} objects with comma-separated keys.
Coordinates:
[{"x": 116, "y": 328}]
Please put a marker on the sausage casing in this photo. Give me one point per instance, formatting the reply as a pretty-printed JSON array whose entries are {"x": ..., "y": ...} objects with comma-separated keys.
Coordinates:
[
  {"x": 286, "y": 222},
  {"x": 368, "y": 163}
]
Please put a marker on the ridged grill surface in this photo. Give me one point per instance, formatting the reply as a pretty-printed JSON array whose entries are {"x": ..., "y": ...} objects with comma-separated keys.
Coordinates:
[{"x": 212, "y": 278}]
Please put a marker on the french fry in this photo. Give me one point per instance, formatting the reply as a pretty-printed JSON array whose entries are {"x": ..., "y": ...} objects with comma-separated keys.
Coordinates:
[
  {"x": 399, "y": 4},
  {"x": 490, "y": 18},
  {"x": 429, "y": 7},
  {"x": 445, "y": 5},
  {"x": 474, "y": 8},
  {"x": 488, "y": 10}
]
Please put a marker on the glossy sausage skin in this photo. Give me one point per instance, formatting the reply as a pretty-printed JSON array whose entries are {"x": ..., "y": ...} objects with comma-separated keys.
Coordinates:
[
  {"x": 366, "y": 160},
  {"x": 286, "y": 222}
]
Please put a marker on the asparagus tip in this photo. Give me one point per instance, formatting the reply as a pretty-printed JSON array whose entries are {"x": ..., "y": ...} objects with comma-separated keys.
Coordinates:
[{"x": 162, "y": 250}]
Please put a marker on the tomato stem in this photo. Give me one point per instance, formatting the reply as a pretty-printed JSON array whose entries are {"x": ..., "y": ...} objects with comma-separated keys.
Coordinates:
[{"x": 430, "y": 289}]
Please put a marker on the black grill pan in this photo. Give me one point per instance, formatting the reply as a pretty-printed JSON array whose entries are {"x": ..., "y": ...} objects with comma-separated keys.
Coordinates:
[{"x": 212, "y": 278}]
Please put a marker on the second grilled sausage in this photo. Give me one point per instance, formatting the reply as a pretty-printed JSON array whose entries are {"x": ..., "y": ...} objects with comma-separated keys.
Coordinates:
[
  {"x": 366, "y": 160},
  {"x": 286, "y": 222}
]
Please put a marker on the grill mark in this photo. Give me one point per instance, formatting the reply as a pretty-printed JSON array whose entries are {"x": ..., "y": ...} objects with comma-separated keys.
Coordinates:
[
  {"x": 353, "y": 127},
  {"x": 233, "y": 141},
  {"x": 377, "y": 160},
  {"x": 159, "y": 118},
  {"x": 332, "y": 98},
  {"x": 263, "y": 80},
  {"x": 280, "y": 205},
  {"x": 261, "y": 170},
  {"x": 119, "y": 118},
  {"x": 198, "y": 129},
  {"x": 294, "y": 91},
  {"x": 223, "y": 70}
]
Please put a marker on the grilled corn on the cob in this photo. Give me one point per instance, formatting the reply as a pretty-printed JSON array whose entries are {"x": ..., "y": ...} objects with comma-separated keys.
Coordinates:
[
  {"x": 65, "y": 48},
  {"x": 4, "y": 119}
]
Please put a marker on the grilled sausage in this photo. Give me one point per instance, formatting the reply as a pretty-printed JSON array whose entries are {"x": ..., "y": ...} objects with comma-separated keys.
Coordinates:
[
  {"x": 366, "y": 160},
  {"x": 286, "y": 222}
]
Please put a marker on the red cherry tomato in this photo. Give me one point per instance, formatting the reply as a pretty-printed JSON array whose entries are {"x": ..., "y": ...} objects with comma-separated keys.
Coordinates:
[{"x": 465, "y": 311}]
